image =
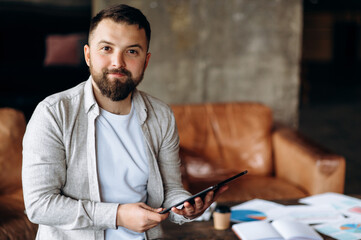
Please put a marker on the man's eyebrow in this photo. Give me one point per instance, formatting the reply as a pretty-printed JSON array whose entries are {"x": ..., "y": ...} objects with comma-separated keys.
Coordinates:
[
  {"x": 110, "y": 43},
  {"x": 105, "y": 42},
  {"x": 135, "y": 46}
]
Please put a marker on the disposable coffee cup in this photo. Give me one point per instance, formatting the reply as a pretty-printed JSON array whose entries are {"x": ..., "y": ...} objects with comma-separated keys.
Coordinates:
[{"x": 221, "y": 217}]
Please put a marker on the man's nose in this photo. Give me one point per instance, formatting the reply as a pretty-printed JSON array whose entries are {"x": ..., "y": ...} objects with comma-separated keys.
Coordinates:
[{"x": 118, "y": 61}]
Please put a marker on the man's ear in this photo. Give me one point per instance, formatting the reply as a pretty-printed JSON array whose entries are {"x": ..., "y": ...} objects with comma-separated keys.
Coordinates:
[
  {"x": 147, "y": 60},
  {"x": 87, "y": 54}
]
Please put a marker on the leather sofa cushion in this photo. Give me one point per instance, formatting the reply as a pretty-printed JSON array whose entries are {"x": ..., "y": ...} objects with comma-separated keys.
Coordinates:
[
  {"x": 14, "y": 224},
  {"x": 12, "y": 128},
  {"x": 233, "y": 136}
]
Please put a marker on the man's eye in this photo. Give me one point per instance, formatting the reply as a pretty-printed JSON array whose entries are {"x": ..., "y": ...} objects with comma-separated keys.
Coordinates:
[
  {"x": 132, "y": 51},
  {"x": 106, "y": 48}
]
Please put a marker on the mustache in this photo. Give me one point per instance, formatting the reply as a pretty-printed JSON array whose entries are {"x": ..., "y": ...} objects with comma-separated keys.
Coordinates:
[{"x": 119, "y": 71}]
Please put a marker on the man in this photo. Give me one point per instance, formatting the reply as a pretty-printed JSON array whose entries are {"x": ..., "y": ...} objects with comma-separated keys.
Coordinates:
[{"x": 100, "y": 160}]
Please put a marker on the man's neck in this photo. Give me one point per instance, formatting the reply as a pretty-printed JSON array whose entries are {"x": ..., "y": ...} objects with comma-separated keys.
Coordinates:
[{"x": 122, "y": 107}]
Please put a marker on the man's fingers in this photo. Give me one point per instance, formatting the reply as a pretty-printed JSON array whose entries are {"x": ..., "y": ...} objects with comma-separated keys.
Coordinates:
[
  {"x": 177, "y": 211},
  {"x": 139, "y": 217},
  {"x": 198, "y": 204},
  {"x": 209, "y": 198},
  {"x": 188, "y": 208},
  {"x": 154, "y": 215},
  {"x": 158, "y": 210},
  {"x": 145, "y": 206}
]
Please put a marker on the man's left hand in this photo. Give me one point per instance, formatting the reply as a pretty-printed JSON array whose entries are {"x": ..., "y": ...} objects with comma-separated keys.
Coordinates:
[{"x": 197, "y": 209}]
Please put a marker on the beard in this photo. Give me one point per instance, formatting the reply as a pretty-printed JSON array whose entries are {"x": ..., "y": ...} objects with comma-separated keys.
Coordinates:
[{"x": 115, "y": 90}]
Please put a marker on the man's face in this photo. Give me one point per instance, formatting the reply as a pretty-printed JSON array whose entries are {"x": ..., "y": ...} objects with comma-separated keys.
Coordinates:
[{"x": 117, "y": 58}]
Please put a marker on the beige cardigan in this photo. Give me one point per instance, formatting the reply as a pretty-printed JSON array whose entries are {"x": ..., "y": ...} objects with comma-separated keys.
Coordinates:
[{"x": 60, "y": 183}]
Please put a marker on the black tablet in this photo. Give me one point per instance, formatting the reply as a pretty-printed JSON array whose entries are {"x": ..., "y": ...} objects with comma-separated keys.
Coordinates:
[{"x": 203, "y": 193}]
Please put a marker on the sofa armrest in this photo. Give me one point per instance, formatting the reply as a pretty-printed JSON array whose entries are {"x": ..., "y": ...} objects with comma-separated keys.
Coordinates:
[{"x": 302, "y": 162}]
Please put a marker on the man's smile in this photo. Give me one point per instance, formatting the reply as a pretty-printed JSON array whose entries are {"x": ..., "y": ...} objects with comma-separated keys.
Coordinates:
[{"x": 117, "y": 75}]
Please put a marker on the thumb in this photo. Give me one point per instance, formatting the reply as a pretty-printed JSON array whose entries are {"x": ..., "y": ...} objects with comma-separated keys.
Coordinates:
[
  {"x": 158, "y": 210},
  {"x": 146, "y": 207}
]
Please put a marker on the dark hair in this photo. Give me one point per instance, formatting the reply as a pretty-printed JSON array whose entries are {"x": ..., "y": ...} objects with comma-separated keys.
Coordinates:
[{"x": 122, "y": 13}]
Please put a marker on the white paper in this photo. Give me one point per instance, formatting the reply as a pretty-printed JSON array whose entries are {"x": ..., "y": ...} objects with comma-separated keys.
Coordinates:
[
  {"x": 306, "y": 214},
  {"x": 279, "y": 229},
  {"x": 295, "y": 230},
  {"x": 348, "y": 206},
  {"x": 348, "y": 229},
  {"x": 259, "y": 206},
  {"x": 256, "y": 231}
]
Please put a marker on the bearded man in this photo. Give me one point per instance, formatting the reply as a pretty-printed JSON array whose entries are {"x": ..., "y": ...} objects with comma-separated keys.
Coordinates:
[{"x": 100, "y": 160}]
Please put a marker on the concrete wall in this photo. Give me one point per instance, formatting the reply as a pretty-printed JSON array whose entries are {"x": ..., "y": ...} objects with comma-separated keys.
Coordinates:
[
  {"x": 229, "y": 50},
  {"x": 65, "y": 3}
]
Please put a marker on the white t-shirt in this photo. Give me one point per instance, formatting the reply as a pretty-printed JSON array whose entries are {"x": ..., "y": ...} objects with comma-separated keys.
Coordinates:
[{"x": 122, "y": 164}]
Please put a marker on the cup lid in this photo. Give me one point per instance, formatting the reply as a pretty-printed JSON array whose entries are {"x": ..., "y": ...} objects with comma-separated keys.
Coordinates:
[{"x": 222, "y": 209}]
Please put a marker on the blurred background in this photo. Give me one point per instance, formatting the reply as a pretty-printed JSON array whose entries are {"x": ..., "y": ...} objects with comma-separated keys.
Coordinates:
[{"x": 301, "y": 58}]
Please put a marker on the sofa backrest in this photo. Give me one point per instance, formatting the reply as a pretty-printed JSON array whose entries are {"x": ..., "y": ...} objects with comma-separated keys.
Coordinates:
[
  {"x": 233, "y": 135},
  {"x": 12, "y": 129}
]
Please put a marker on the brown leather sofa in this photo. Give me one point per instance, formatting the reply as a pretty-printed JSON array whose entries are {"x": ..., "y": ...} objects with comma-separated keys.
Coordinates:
[
  {"x": 218, "y": 140},
  {"x": 14, "y": 224}
]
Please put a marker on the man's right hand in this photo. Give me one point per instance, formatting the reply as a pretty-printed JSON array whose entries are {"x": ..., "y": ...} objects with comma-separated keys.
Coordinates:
[{"x": 139, "y": 217}]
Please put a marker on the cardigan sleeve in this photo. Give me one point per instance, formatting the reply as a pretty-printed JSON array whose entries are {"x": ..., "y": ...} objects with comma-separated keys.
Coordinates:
[
  {"x": 170, "y": 169},
  {"x": 44, "y": 174}
]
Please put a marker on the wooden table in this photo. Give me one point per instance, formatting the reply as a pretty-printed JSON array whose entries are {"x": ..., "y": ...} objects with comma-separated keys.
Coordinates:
[{"x": 205, "y": 231}]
